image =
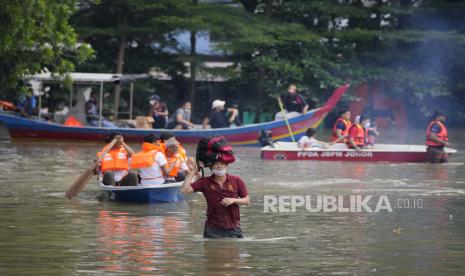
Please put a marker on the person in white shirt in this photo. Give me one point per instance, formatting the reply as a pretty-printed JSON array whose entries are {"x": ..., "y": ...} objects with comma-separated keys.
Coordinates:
[
  {"x": 309, "y": 140},
  {"x": 154, "y": 174}
]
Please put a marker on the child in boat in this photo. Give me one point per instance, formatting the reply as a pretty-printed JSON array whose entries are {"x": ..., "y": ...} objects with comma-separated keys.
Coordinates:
[
  {"x": 372, "y": 132},
  {"x": 309, "y": 140}
]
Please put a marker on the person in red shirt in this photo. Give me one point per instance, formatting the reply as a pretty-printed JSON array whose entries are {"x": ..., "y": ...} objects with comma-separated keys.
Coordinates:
[{"x": 224, "y": 193}]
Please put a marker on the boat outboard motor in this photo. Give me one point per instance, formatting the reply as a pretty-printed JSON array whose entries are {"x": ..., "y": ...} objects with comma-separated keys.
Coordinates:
[{"x": 265, "y": 139}]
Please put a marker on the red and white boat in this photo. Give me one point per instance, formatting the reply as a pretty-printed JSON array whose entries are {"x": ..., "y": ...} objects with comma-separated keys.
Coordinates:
[{"x": 340, "y": 152}]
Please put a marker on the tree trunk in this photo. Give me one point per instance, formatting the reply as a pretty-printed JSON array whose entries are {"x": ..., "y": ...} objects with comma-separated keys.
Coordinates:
[{"x": 120, "y": 65}]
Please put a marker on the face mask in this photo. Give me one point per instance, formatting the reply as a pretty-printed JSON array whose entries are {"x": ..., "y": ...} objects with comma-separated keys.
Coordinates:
[
  {"x": 366, "y": 125},
  {"x": 219, "y": 172}
]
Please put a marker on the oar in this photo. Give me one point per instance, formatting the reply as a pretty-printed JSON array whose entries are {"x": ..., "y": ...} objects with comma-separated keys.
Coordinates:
[
  {"x": 280, "y": 103},
  {"x": 81, "y": 181}
]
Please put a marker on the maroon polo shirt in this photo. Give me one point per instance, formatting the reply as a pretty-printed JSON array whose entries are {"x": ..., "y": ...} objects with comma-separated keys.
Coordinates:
[{"x": 218, "y": 215}]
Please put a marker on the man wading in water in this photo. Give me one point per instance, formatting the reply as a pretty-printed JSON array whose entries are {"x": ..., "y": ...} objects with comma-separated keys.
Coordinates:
[{"x": 224, "y": 193}]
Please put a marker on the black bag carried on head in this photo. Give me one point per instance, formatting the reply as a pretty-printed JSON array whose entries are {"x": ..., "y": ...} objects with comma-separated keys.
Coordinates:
[{"x": 211, "y": 149}]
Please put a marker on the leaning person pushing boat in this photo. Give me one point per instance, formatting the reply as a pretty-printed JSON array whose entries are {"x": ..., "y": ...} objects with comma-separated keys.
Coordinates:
[{"x": 224, "y": 193}]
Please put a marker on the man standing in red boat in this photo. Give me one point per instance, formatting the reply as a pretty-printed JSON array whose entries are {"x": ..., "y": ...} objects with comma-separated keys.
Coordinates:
[
  {"x": 224, "y": 193},
  {"x": 436, "y": 138},
  {"x": 341, "y": 127}
]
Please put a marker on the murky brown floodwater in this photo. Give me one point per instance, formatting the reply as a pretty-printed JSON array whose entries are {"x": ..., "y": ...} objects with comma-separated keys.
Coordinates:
[{"x": 41, "y": 232}]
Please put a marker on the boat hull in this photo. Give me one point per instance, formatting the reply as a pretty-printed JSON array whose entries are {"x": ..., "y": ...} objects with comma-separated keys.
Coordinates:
[
  {"x": 339, "y": 152},
  {"x": 146, "y": 194}
]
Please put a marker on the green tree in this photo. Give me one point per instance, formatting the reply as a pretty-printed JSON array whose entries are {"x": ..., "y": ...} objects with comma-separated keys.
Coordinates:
[{"x": 35, "y": 35}]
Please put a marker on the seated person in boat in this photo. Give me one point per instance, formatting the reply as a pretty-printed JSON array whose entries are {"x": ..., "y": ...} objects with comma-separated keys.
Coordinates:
[
  {"x": 181, "y": 119},
  {"x": 309, "y": 140},
  {"x": 114, "y": 162},
  {"x": 159, "y": 112},
  {"x": 93, "y": 114},
  {"x": 151, "y": 161},
  {"x": 372, "y": 132},
  {"x": 357, "y": 134},
  {"x": 27, "y": 104},
  {"x": 436, "y": 138},
  {"x": 166, "y": 136},
  {"x": 341, "y": 127},
  {"x": 177, "y": 166},
  {"x": 224, "y": 193},
  {"x": 221, "y": 117},
  {"x": 293, "y": 103}
]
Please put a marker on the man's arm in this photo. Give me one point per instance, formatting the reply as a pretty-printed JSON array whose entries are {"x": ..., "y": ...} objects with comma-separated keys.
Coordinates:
[
  {"x": 239, "y": 201},
  {"x": 305, "y": 109},
  {"x": 234, "y": 113},
  {"x": 186, "y": 186},
  {"x": 205, "y": 122},
  {"x": 181, "y": 120},
  {"x": 128, "y": 149},
  {"x": 339, "y": 135},
  {"x": 437, "y": 140}
]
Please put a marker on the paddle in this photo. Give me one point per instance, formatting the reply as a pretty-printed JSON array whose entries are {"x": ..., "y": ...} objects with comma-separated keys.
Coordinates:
[
  {"x": 280, "y": 103},
  {"x": 82, "y": 180}
]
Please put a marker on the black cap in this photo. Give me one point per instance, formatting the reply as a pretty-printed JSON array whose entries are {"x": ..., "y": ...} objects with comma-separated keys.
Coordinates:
[{"x": 151, "y": 138}]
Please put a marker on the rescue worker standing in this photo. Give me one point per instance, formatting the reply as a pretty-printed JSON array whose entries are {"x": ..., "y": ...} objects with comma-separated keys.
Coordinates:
[
  {"x": 436, "y": 138},
  {"x": 358, "y": 134},
  {"x": 341, "y": 127}
]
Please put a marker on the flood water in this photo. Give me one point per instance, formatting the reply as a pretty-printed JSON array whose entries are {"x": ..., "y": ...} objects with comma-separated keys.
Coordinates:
[{"x": 42, "y": 232}]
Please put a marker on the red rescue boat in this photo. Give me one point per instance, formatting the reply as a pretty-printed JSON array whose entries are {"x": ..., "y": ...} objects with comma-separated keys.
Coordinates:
[{"x": 339, "y": 152}]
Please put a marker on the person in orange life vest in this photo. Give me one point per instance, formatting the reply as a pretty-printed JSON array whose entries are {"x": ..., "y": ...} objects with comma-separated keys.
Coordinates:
[
  {"x": 151, "y": 161},
  {"x": 224, "y": 193},
  {"x": 177, "y": 165},
  {"x": 357, "y": 134},
  {"x": 167, "y": 135},
  {"x": 436, "y": 138},
  {"x": 341, "y": 127},
  {"x": 114, "y": 162}
]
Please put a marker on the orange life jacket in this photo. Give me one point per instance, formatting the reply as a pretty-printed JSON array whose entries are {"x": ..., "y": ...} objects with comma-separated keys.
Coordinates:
[
  {"x": 344, "y": 132},
  {"x": 358, "y": 137},
  {"x": 114, "y": 160},
  {"x": 149, "y": 147},
  {"x": 72, "y": 121},
  {"x": 174, "y": 161},
  {"x": 442, "y": 135},
  {"x": 7, "y": 105},
  {"x": 146, "y": 157}
]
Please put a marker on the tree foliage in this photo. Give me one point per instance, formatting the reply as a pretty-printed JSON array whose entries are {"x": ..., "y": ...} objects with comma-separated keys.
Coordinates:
[{"x": 35, "y": 35}]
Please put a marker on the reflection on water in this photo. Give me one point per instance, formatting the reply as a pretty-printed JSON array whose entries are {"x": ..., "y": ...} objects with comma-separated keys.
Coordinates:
[
  {"x": 131, "y": 243},
  {"x": 41, "y": 232}
]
